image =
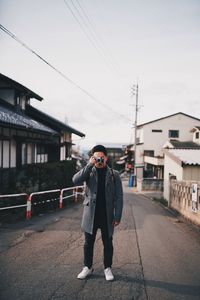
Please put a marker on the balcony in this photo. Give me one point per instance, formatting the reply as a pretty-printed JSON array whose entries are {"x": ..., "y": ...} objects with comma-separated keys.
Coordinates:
[{"x": 154, "y": 160}]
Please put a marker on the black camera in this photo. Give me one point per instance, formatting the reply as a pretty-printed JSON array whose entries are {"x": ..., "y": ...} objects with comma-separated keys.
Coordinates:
[{"x": 99, "y": 160}]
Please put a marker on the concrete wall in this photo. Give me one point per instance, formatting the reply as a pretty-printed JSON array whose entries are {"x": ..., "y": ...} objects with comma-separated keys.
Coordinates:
[
  {"x": 150, "y": 184},
  {"x": 171, "y": 168},
  {"x": 191, "y": 173},
  {"x": 181, "y": 199}
]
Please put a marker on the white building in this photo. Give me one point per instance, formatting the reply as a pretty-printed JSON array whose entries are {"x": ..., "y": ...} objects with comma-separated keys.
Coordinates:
[
  {"x": 182, "y": 161},
  {"x": 181, "y": 164},
  {"x": 151, "y": 137}
]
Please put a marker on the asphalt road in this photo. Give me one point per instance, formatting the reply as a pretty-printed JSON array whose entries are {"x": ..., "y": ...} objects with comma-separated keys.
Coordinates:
[{"x": 155, "y": 257}]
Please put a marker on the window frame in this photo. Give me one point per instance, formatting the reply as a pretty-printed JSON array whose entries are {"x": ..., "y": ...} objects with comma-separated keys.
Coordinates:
[{"x": 170, "y": 133}]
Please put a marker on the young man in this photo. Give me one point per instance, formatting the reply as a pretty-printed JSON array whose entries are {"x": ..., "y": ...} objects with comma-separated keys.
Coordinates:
[{"x": 102, "y": 208}]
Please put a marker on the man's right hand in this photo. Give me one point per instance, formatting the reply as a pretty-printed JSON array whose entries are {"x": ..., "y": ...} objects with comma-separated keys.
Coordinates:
[{"x": 92, "y": 160}]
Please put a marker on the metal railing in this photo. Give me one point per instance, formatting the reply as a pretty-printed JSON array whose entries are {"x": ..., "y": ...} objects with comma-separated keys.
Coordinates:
[{"x": 32, "y": 201}]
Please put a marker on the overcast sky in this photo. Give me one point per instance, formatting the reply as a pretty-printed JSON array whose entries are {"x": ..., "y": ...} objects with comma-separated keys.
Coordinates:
[{"x": 112, "y": 46}]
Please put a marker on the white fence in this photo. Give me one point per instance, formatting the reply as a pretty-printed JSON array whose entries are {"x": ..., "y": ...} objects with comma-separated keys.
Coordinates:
[
  {"x": 182, "y": 200},
  {"x": 33, "y": 199}
]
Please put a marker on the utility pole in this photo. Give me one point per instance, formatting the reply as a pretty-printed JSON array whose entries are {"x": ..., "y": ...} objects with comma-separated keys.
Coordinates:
[{"x": 135, "y": 91}]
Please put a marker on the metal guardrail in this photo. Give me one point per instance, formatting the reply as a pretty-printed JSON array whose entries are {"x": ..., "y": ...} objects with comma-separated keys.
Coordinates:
[
  {"x": 13, "y": 196},
  {"x": 30, "y": 201}
]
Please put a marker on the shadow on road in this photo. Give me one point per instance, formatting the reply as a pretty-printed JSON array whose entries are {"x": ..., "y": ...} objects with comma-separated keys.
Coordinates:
[{"x": 176, "y": 288}]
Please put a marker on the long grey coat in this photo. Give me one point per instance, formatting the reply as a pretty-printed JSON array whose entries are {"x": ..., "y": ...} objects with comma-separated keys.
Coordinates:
[{"x": 113, "y": 193}]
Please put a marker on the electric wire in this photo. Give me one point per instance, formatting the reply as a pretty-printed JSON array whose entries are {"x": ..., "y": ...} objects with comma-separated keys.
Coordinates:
[
  {"x": 88, "y": 33},
  {"x": 97, "y": 36},
  {"x": 94, "y": 34},
  {"x": 96, "y": 100}
]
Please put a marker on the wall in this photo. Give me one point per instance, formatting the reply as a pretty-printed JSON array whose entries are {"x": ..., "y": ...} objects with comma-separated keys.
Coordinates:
[
  {"x": 181, "y": 199},
  {"x": 191, "y": 173},
  {"x": 171, "y": 167},
  {"x": 150, "y": 184}
]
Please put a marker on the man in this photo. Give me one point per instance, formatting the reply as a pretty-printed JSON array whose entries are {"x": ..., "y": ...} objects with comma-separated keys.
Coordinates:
[{"x": 102, "y": 208}]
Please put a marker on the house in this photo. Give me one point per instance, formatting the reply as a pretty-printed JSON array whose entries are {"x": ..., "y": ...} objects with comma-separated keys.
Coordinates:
[
  {"x": 65, "y": 131},
  {"x": 27, "y": 135},
  {"x": 151, "y": 137},
  {"x": 182, "y": 165},
  {"x": 182, "y": 176},
  {"x": 182, "y": 161}
]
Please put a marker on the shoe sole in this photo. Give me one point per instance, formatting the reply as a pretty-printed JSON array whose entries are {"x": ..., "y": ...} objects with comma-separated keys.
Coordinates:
[
  {"x": 86, "y": 276},
  {"x": 110, "y": 279}
]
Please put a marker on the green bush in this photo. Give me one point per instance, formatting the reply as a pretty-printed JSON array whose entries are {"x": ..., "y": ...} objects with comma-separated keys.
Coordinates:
[{"x": 38, "y": 177}]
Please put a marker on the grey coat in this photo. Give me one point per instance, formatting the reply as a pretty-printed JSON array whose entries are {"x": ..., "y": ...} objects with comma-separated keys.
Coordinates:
[{"x": 113, "y": 193}]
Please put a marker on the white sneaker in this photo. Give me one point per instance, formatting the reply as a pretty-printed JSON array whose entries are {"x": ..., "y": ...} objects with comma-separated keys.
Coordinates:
[
  {"x": 85, "y": 273},
  {"x": 108, "y": 274}
]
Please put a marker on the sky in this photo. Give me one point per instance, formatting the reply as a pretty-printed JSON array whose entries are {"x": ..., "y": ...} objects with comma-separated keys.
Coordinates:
[{"x": 104, "y": 47}]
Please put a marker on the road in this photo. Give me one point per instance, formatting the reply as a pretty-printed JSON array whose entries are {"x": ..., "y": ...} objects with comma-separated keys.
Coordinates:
[{"x": 155, "y": 256}]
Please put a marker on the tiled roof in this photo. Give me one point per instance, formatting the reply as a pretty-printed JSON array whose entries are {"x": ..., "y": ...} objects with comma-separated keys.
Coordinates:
[
  {"x": 50, "y": 121},
  {"x": 187, "y": 156},
  {"x": 184, "y": 145},
  {"x": 179, "y": 113},
  {"x": 19, "y": 119}
]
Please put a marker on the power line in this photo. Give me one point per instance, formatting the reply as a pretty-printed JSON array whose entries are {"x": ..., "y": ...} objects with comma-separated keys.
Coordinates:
[
  {"x": 87, "y": 26},
  {"x": 98, "y": 37},
  {"x": 88, "y": 32},
  {"x": 61, "y": 73}
]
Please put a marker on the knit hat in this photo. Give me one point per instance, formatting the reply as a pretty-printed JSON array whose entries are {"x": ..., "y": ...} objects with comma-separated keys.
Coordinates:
[{"x": 99, "y": 148}]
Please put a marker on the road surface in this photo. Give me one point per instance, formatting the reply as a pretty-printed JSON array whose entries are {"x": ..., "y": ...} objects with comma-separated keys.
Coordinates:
[{"x": 155, "y": 256}]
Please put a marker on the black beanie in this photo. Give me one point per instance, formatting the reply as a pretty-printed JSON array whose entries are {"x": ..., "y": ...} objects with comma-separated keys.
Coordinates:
[{"x": 99, "y": 148}]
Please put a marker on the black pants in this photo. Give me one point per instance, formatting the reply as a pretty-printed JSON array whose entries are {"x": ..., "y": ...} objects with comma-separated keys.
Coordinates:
[{"x": 89, "y": 246}]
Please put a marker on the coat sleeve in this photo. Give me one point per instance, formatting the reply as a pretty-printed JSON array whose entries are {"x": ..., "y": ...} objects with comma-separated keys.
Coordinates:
[
  {"x": 118, "y": 206},
  {"x": 80, "y": 177}
]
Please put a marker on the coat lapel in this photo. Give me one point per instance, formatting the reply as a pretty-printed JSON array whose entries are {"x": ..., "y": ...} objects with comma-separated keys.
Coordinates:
[
  {"x": 94, "y": 171},
  {"x": 108, "y": 175}
]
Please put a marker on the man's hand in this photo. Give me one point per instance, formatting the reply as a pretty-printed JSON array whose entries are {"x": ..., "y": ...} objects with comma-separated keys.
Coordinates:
[
  {"x": 115, "y": 223},
  {"x": 92, "y": 160}
]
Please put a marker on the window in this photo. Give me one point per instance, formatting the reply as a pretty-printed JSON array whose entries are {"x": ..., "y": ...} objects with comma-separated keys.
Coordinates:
[
  {"x": 173, "y": 133},
  {"x": 24, "y": 154},
  {"x": 197, "y": 135},
  {"x": 149, "y": 153},
  {"x": 156, "y": 130}
]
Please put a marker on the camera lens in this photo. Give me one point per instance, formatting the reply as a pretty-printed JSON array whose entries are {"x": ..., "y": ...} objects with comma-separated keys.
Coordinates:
[{"x": 99, "y": 160}]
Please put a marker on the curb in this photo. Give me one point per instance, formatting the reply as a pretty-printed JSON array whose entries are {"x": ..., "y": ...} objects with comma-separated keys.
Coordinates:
[
  {"x": 176, "y": 214},
  {"x": 171, "y": 211}
]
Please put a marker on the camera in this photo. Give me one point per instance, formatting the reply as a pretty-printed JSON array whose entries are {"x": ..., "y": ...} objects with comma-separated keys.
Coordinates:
[{"x": 99, "y": 160}]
